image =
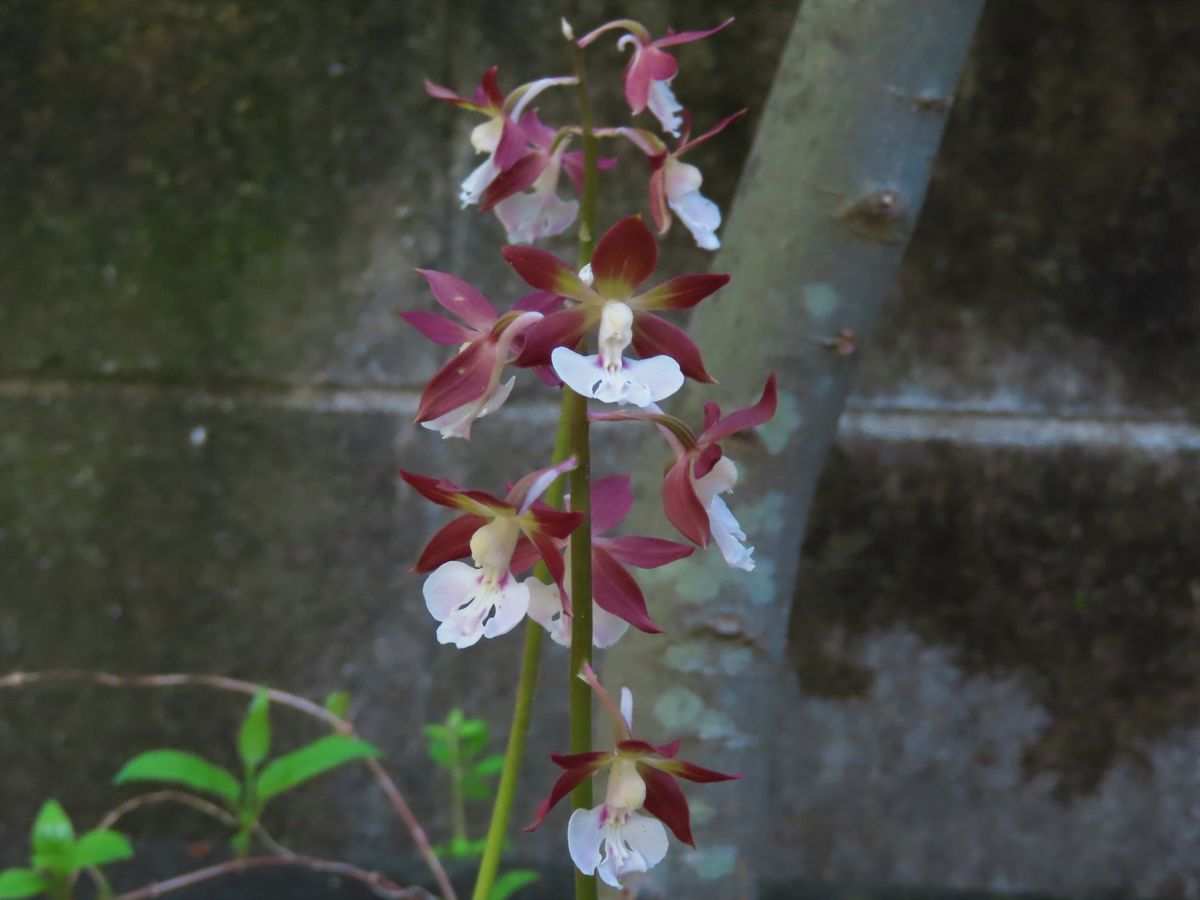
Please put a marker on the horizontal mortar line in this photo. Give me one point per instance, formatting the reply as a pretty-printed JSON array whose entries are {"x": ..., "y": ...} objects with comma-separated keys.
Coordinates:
[{"x": 1008, "y": 429}]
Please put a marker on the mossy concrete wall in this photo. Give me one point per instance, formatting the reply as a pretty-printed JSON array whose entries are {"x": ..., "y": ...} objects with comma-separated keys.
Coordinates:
[{"x": 209, "y": 217}]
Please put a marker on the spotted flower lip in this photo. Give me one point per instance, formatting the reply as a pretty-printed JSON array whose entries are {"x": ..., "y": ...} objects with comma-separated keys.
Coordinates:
[
  {"x": 614, "y": 590},
  {"x": 468, "y": 387},
  {"x": 641, "y": 776},
  {"x": 625, "y": 256},
  {"x": 701, "y": 472},
  {"x": 651, "y": 69}
]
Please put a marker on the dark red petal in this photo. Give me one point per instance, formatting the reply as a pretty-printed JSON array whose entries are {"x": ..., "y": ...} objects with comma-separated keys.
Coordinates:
[
  {"x": 437, "y": 92},
  {"x": 612, "y": 498},
  {"x": 564, "y": 328},
  {"x": 668, "y": 751},
  {"x": 437, "y": 328},
  {"x": 489, "y": 88},
  {"x": 453, "y": 541},
  {"x": 624, "y": 258},
  {"x": 573, "y": 166},
  {"x": 665, "y": 801},
  {"x": 711, "y": 133},
  {"x": 578, "y": 767},
  {"x": 548, "y": 549},
  {"x": 511, "y": 147},
  {"x": 524, "y": 557},
  {"x": 536, "y": 131},
  {"x": 558, "y": 523},
  {"x": 680, "y": 292},
  {"x": 463, "y": 379},
  {"x": 635, "y": 747},
  {"x": 458, "y": 297},
  {"x": 693, "y": 772},
  {"x": 660, "y": 212},
  {"x": 520, "y": 175},
  {"x": 646, "y": 552},
  {"x": 740, "y": 420},
  {"x": 682, "y": 506},
  {"x": 617, "y": 592},
  {"x": 712, "y": 413},
  {"x": 655, "y": 336},
  {"x": 684, "y": 37},
  {"x": 439, "y": 490},
  {"x": 546, "y": 272},
  {"x": 539, "y": 301},
  {"x": 709, "y": 457}
]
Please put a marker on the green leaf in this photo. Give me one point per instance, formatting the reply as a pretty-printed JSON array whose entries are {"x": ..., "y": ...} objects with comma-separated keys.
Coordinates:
[
  {"x": 511, "y": 882},
  {"x": 338, "y": 703},
  {"x": 310, "y": 761},
  {"x": 254, "y": 738},
  {"x": 472, "y": 737},
  {"x": 440, "y": 744},
  {"x": 16, "y": 884},
  {"x": 53, "y": 838},
  {"x": 99, "y": 848},
  {"x": 476, "y": 788},
  {"x": 455, "y": 719},
  {"x": 179, "y": 767},
  {"x": 489, "y": 766}
]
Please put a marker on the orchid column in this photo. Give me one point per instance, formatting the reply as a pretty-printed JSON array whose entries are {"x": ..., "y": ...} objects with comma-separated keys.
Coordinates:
[{"x": 594, "y": 331}]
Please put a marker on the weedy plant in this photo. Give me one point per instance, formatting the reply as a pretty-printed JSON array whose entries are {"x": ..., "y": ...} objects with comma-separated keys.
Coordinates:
[{"x": 540, "y": 552}]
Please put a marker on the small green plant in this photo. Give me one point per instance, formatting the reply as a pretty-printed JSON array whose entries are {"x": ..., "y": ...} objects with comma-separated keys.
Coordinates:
[
  {"x": 246, "y": 798},
  {"x": 58, "y": 857},
  {"x": 458, "y": 745}
]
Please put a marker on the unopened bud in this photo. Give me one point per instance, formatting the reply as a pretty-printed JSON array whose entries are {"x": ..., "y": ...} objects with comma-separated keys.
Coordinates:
[{"x": 567, "y": 30}]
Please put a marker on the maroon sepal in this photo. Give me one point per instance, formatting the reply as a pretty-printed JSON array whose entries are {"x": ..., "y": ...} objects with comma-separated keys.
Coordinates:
[
  {"x": 453, "y": 541},
  {"x": 740, "y": 420},
  {"x": 617, "y": 592},
  {"x": 680, "y": 292},
  {"x": 665, "y": 801},
  {"x": 578, "y": 767},
  {"x": 625, "y": 256},
  {"x": 693, "y": 772},
  {"x": 516, "y": 178},
  {"x": 681, "y": 504},
  {"x": 655, "y": 336},
  {"x": 564, "y": 328},
  {"x": 437, "y": 328},
  {"x": 465, "y": 378},
  {"x": 645, "y": 552}
]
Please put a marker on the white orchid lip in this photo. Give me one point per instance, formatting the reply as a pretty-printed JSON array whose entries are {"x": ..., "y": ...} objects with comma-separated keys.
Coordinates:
[
  {"x": 472, "y": 603},
  {"x": 726, "y": 532}
]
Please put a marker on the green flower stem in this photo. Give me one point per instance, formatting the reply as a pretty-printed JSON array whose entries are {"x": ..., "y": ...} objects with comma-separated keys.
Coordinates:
[
  {"x": 581, "y": 539},
  {"x": 515, "y": 751}
]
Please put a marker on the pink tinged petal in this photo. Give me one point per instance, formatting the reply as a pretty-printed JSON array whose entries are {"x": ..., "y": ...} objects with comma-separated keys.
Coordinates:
[
  {"x": 573, "y": 166},
  {"x": 647, "y": 66},
  {"x": 531, "y": 217},
  {"x": 547, "y": 376},
  {"x": 511, "y": 147},
  {"x": 646, "y": 552},
  {"x": 664, "y": 106},
  {"x": 712, "y": 414},
  {"x": 750, "y": 417},
  {"x": 543, "y": 302},
  {"x": 655, "y": 336},
  {"x": 564, "y": 328},
  {"x": 660, "y": 212},
  {"x": 711, "y": 133},
  {"x": 465, "y": 378},
  {"x": 516, "y": 178},
  {"x": 452, "y": 541},
  {"x": 457, "y": 423},
  {"x": 536, "y": 131},
  {"x": 553, "y": 559},
  {"x": 612, "y": 498},
  {"x": 680, "y": 292},
  {"x": 691, "y": 771},
  {"x": 438, "y": 92},
  {"x": 530, "y": 487},
  {"x": 625, "y": 256},
  {"x": 638, "y": 381},
  {"x": 525, "y": 555},
  {"x": 665, "y": 801},
  {"x": 681, "y": 505},
  {"x": 585, "y": 835},
  {"x": 700, "y": 216},
  {"x": 616, "y": 591},
  {"x": 547, "y": 272},
  {"x": 437, "y": 328},
  {"x": 684, "y": 37},
  {"x": 458, "y": 297},
  {"x": 519, "y": 100},
  {"x": 545, "y": 608},
  {"x": 607, "y": 629},
  {"x": 579, "y": 766}
]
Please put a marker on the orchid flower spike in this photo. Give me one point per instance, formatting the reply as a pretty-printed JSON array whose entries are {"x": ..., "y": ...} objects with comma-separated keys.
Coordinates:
[
  {"x": 651, "y": 69},
  {"x": 625, "y": 256},
  {"x": 486, "y": 599},
  {"x": 468, "y": 387},
  {"x": 618, "y": 602},
  {"x": 500, "y": 136},
  {"x": 701, "y": 473},
  {"x": 615, "y": 839}
]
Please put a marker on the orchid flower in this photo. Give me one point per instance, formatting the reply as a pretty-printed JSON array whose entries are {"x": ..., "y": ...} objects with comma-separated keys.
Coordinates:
[
  {"x": 486, "y": 600},
  {"x": 468, "y": 387},
  {"x": 615, "y": 839},
  {"x": 618, "y": 601},
  {"x": 501, "y": 136},
  {"x": 675, "y": 185},
  {"x": 651, "y": 69},
  {"x": 624, "y": 257},
  {"x": 692, "y": 487}
]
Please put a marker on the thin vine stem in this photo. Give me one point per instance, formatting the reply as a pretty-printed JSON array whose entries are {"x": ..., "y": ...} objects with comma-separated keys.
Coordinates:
[
  {"x": 581, "y": 477},
  {"x": 514, "y": 753},
  {"x": 283, "y": 698}
]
